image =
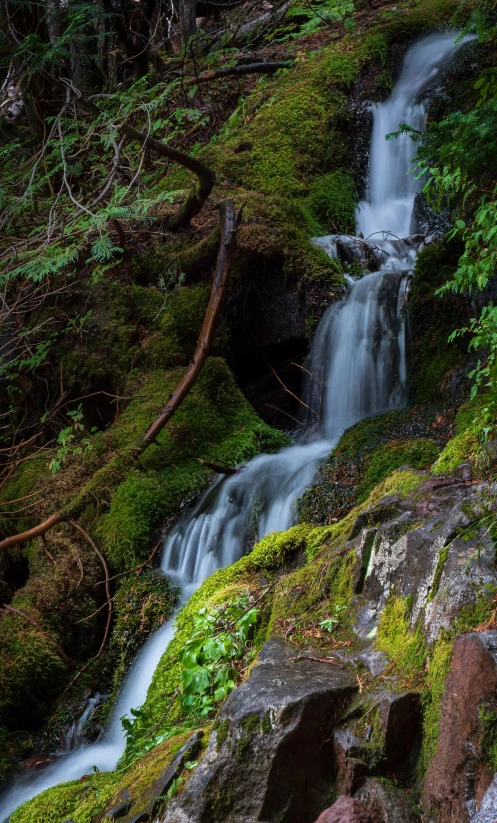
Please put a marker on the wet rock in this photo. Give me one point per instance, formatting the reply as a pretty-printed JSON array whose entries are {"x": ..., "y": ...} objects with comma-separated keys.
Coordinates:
[
  {"x": 271, "y": 755},
  {"x": 487, "y": 813},
  {"x": 490, "y": 451},
  {"x": 389, "y": 803},
  {"x": 120, "y": 809},
  {"x": 399, "y": 717},
  {"x": 36, "y": 763},
  {"x": 457, "y": 778},
  {"x": 375, "y": 662},
  {"x": 348, "y": 810},
  {"x": 350, "y": 767},
  {"x": 422, "y": 550}
]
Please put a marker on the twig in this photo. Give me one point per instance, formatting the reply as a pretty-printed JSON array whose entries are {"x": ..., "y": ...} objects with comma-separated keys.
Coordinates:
[
  {"x": 44, "y": 543},
  {"x": 330, "y": 660},
  {"x": 135, "y": 568},
  {"x": 107, "y": 587}
]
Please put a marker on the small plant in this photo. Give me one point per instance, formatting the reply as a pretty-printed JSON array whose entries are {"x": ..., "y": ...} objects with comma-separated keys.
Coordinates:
[
  {"x": 66, "y": 438},
  {"x": 331, "y": 623},
  {"x": 208, "y": 658}
]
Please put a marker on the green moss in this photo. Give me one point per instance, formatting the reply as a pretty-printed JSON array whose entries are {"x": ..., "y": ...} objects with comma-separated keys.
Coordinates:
[
  {"x": 404, "y": 646},
  {"x": 431, "y": 358},
  {"x": 215, "y": 423},
  {"x": 436, "y": 676},
  {"x": 332, "y": 199},
  {"x": 488, "y": 736},
  {"x": 457, "y": 451},
  {"x": 310, "y": 594},
  {"x": 340, "y": 482},
  {"x": 141, "y": 605},
  {"x": 418, "y": 454},
  {"x": 31, "y": 673},
  {"x": 222, "y": 732},
  {"x": 81, "y": 801},
  {"x": 442, "y": 559},
  {"x": 398, "y": 482}
]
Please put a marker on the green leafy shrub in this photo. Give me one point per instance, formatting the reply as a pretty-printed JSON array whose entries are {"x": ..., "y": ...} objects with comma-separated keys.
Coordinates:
[{"x": 208, "y": 658}]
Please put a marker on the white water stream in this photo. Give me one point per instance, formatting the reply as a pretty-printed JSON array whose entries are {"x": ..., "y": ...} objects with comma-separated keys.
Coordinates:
[{"x": 357, "y": 365}]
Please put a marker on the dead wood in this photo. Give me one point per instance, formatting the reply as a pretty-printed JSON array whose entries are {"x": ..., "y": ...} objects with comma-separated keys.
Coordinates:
[
  {"x": 267, "y": 67},
  {"x": 214, "y": 467},
  {"x": 226, "y": 250},
  {"x": 30, "y": 534}
]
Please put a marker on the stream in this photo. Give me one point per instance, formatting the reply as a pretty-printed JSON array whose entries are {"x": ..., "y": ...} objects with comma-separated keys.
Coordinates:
[{"x": 357, "y": 369}]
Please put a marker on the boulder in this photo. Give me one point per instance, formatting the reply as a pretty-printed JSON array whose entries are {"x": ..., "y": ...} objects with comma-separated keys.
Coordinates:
[
  {"x": 389, "y": 803},
  {"x": 458, "y": 778},
  {"x": 348, "y": 810},
  {"x": 271, "y": 755},
  {"x": 418, "y": 548}
]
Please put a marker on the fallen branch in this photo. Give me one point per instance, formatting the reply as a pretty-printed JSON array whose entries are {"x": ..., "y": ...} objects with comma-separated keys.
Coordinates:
[
  {"x": 30, "y": 534},
  {"x": 67, "y": 660},
  {"x": 266, "y": 67},
  {"x": 229, "y": 222},
  {"x": 219, "y": 469},
  {"x": 330, "y": 660}
]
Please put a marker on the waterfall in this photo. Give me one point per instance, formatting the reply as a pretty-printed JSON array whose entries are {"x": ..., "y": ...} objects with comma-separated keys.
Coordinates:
[{"x": 357, "y": 367}]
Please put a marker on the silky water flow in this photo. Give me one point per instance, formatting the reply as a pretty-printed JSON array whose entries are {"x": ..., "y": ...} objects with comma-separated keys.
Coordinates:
[{"x": 357, "y": 363}]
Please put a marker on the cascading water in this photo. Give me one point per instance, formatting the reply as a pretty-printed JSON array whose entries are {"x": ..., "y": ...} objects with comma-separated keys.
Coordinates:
[{"x": 357, "y": 365}]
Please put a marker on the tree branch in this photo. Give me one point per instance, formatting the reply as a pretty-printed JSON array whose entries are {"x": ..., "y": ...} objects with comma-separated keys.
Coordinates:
[
  {"x": 206, "y": 177},
  {"x": 30, "y": 534},
  {"x": 226, "y": 249}
]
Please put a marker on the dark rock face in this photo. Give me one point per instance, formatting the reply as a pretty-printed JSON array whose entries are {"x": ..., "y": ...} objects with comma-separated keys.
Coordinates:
[
  {"x": 457, "y": 778},
  {"x": 390, "y": 804},
  {"x": 270, "y": 757},
  {"x": 348, "y": 810},
  {"x": 349, "y": 764},
  {"x": 399, "y": 717}
]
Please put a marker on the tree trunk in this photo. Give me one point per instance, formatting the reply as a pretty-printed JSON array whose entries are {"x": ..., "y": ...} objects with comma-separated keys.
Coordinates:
[{"x": 187, "y": 19}]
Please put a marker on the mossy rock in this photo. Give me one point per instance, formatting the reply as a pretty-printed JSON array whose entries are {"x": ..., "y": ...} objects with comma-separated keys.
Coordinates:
[
  {"x": 141, "y": 606},
  {"x": 431, "y": 358},
  {"x": 367, "y": 452},
  {"x": 458, "y": 450},
  {"x": 84, "y": 801},
  {"x": 418, "y": 454}
]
